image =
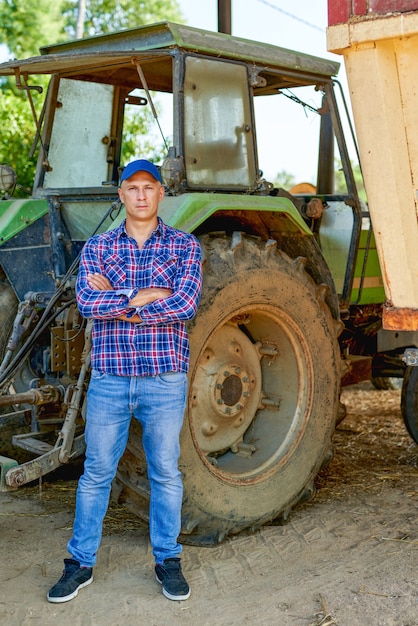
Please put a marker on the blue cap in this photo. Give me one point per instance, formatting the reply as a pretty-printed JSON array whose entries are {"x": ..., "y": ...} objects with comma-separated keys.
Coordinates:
[{"x": 141, "y": 165}]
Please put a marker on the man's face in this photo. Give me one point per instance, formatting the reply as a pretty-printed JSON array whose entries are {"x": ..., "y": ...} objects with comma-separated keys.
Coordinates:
[{"x": 141, "y": 195}]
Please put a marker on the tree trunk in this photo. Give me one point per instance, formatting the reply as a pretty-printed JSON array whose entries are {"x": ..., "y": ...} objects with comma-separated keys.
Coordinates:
[{"x": 80, "y": 19}]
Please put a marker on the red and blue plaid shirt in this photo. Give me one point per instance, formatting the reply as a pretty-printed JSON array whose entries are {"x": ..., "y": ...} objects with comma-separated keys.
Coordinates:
[{"x": 170, "y": 259}]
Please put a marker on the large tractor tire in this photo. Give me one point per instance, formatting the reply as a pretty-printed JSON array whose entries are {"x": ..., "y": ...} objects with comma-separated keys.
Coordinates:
[
  {"x": 11, "y": 422},
  {"x": 409, "y": 401},
  {"x": 263, "y": 393}
]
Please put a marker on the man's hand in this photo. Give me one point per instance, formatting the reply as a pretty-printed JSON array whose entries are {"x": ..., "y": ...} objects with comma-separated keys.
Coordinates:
[
  {"x": 149, "y": 294},
  {"x": 99, "y": 282}
]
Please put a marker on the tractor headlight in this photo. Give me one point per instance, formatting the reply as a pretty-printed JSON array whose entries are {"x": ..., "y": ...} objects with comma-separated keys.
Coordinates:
[
  {"x": 172, "y": 171},
  {"x": 8, "y": 180}
]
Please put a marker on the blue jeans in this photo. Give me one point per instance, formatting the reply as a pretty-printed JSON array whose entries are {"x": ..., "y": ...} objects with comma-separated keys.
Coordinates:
[{"x": 158, "y": 403}]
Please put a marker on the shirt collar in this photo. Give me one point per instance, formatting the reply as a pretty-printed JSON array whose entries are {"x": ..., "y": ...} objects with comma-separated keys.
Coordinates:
[{"x": 160, "y": 229}]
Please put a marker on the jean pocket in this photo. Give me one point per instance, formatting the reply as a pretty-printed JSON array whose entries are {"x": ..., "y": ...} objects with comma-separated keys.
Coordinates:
[
  {"x": 172, "y": 378},
  {"x": 97, "y": 375}
]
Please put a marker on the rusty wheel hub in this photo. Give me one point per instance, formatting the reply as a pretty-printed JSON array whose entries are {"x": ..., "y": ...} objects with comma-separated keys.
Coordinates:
[{"x": 226, "y": 389}]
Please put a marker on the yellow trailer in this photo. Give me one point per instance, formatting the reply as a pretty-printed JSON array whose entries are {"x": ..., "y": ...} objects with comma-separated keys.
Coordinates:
[{"x": 379, "y": 42}]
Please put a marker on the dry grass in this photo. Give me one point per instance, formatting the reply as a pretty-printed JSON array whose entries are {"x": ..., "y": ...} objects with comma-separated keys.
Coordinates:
[{"x": 371, "y": 447}]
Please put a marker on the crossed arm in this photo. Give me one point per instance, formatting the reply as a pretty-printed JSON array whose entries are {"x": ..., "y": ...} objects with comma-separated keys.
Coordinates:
[
  {"x": 143, "y": 297},
  {"x": 104, "y": 287}
]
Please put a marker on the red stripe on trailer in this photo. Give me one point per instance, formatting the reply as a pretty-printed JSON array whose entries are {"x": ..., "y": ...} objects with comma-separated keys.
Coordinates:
[{"x": 341, "y": 11}]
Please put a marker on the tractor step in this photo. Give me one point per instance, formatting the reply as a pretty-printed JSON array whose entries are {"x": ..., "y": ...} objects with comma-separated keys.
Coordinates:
[
  {"x": 25, "y": 473},
  {"x": 32, "y": 442}
]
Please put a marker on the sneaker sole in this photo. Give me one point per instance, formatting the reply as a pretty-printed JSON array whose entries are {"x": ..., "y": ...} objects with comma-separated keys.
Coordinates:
[
  {"x": 185, "y": 596},
  {"x": 70, "y": 596}
]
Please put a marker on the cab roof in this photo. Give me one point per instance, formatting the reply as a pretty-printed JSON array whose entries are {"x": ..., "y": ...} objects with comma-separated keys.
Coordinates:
[{"x": 111, "y": 58}]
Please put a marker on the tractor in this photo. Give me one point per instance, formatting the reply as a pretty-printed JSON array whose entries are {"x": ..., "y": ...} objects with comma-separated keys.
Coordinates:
[{"x": 291, "y": 308}]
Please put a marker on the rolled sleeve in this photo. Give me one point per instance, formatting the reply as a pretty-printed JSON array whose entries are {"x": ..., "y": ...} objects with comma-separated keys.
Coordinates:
[{"x": 93, "y": 303}]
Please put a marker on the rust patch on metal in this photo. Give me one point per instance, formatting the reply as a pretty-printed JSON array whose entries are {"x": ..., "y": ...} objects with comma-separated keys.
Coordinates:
[
  {"x": 394, "y": 318},
  {"x": 359, "y": 368}
]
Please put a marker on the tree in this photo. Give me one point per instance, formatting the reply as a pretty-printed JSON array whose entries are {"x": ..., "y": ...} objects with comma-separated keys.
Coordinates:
[
  {"x": 106, "y": 16},
  {"x": 27, "y": 25},
  {"x": 141, "y": 139},
  {"x": 81, "y": 18},
  {"x": 284, "y": 179},
  {"x": 341, "y": 185},
  {"x": 17, "y": 126}
]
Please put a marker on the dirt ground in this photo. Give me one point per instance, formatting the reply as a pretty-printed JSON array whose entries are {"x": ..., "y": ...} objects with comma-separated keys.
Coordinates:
[{"x": 346, "y": 558}]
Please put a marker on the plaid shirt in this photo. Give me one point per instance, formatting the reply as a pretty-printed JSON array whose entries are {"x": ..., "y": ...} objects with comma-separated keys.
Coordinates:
[{"x": 171, "y": 259}]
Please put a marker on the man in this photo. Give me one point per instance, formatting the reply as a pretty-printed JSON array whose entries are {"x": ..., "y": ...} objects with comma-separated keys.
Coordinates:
[{"x": 140, "y": 282}]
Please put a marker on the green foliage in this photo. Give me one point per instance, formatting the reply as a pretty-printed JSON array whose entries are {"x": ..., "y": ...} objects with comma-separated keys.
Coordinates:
[
  {"x": 284, "y": 180},
  {"x": 106, "y": 16},
  {"x": 340, "y": 184},
  {"x": 26, "y": 25},
  {"x": 141, "y": 139},
  {"x": 17, "y": 129}
]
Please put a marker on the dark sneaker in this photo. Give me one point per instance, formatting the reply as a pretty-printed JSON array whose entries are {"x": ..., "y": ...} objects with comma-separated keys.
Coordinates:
[
  {"x": 174, "y": 584},
  {"x": 74, "y": 577}
]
